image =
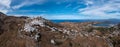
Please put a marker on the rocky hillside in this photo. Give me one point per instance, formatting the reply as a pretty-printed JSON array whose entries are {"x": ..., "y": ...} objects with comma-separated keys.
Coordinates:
[{"x": 39, "y": 32}]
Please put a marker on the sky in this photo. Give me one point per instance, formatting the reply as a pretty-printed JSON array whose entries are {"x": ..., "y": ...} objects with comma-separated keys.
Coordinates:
[{"x": 63, "y": 9}]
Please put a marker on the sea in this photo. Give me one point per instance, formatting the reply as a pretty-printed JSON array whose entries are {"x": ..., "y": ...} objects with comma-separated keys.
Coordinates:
[
  {"x": 75, "y": 21},
  {"x": 104, "y": 22}
]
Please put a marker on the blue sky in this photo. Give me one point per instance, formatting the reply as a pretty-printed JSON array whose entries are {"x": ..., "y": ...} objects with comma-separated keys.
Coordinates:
[{"x": 63, "y": 9}]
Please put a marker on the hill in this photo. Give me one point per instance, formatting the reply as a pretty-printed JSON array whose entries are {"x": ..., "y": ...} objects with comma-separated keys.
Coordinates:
[{"x": 39, "y": 32}]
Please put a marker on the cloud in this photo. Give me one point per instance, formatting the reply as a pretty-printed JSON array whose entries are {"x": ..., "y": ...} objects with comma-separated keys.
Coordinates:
[
  {"x": 33, "y": 2},
  {"x": 28, "y": 3},
  {"x": 88, "y": 2},
  {"x": 103, "y": 10},
  {"x": 5, "y": 5},
  {"x": 65, "y": 17},
  {"x": 69, "y": 5},
  {"x": 94, "y": 8},
  {"x": 29, "y": 11},
  {"x": 4, "y": 11},
  {"x": 19, "y": 6},
  {"x": 55, "y": 17}
]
